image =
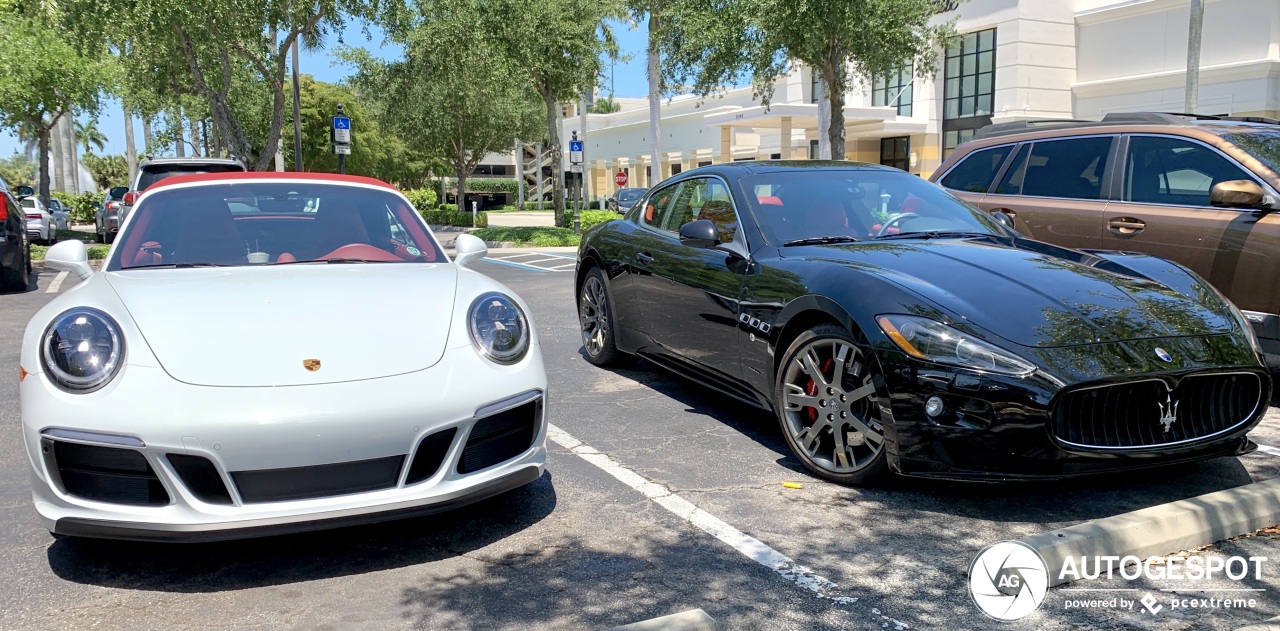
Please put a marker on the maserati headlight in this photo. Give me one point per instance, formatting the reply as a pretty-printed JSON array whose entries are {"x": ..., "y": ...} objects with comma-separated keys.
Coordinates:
[
  {"x": 82, "y": 350},
  {"x": 498, "y": 328},
  {"x": 926, "y": 339}
]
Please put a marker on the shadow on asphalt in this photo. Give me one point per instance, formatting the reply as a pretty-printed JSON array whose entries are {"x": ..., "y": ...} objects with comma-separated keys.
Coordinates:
[
  {"x": 33, "y": 285},
  {"x": 248, "y": 563},
  {"x": 1037, "y": 501}
]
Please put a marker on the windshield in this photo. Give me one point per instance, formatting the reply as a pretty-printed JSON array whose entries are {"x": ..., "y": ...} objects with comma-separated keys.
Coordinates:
[
  {"x": 272, "y": 223},
  {"x": 1263, "y": 145},
  {"x": 156, "y": 172},
  {"x": 859, "y": 204},
  {"x": 630, "y": 194}
]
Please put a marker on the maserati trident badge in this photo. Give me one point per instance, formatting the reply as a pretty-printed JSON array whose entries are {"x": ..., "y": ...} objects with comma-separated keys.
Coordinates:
[
  {"x": 313, "y": 365},
  {"x": 1168, "y": 413},
  {"x": 1163, "y": 355}
]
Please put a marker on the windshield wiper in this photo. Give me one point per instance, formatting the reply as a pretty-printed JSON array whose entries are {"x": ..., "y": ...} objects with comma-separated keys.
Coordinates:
[
  {"x": 175, "y": 265},
  {"x": 821, "y": 240},
  {"x": 934, "y": 234}
]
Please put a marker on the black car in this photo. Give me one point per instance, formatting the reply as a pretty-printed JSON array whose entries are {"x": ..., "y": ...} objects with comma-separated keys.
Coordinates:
[
  {"x": 891, "y": 327},
  {"x": 622, "y": 200},
  {"x": 15, "y": 252}
]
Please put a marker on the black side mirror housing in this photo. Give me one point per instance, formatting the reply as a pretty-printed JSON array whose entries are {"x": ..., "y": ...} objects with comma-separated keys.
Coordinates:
[
  {"x": 23, "y": 192},
  {"x": 701, "y": 233}
]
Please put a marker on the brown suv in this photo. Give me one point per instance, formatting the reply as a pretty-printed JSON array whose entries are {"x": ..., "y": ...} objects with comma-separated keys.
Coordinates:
[{"x": 1201, "y": 191}]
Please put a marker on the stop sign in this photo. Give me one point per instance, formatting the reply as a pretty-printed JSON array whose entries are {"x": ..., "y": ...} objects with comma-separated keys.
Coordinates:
[{"x": 620, "y": 178}]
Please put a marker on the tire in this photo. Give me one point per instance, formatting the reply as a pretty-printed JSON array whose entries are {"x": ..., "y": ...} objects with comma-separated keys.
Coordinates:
[
  {"x": 595, "y": 319},
  {"x": 98, "y": 236},
  {"x": 110, "y": 238},
  {"x": 16, "y": 279},
  {"x": 825, "y": 368}
]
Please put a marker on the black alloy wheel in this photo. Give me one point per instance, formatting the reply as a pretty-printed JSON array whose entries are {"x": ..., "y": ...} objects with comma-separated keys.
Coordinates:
[
  {"x": 828, "y": 407},
  {"x": 595, "y": 314}
]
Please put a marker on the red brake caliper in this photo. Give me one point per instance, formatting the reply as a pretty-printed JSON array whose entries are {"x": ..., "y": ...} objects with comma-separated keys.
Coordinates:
[{"x": 811, "y": 388}]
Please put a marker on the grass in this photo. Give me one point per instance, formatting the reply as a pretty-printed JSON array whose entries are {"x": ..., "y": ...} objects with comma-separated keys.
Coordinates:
[
  {"x": 77, "y": 235},
  {"x": 530, "y": 236},
  {"x": 95, "y": 251}
]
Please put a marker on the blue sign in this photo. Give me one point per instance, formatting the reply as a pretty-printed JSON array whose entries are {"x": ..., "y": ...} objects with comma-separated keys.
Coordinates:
[
  {"x": 575, "y": 145},
  {"x": 344, "y": 122}
]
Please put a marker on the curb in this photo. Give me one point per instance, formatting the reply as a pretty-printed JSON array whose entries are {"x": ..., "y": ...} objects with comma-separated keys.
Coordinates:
[
  {"x": 1164, "y": 529},
  {"x": 692, "y": 620}
]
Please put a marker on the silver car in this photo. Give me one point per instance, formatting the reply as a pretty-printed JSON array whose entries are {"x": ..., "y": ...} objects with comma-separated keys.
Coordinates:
[{"x": 41, "y": 227}]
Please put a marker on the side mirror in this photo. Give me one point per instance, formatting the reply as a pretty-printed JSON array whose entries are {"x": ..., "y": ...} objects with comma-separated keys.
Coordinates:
[
  {"x": 701, "y": 233},
  {"x": 69, "y": 256},
  {"x": 23, "y": 192},
  {"x": 468, "y": 249},
  {"x": 1238, "y": 194},
  {"x": 1004, "y": 219}
]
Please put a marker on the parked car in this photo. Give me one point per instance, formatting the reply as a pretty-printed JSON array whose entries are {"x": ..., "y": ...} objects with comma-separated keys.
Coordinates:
[
  {"x": 622, "y": 200},
  {"x": 1201, "y": 191},
  {"x": 15, "y": 253},
  {"x": 41, "y": 227},
  {"x": 891, "y": 327},
  {"x": 109, "y": 215},
  {"x": 193, "y": 389},
  {"x": 61, "y": 215},
  {"x": 152, "y": 170}
]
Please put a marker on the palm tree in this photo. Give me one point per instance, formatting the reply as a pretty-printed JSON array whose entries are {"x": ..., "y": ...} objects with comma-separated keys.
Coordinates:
[{"x": 88, "y": 135}]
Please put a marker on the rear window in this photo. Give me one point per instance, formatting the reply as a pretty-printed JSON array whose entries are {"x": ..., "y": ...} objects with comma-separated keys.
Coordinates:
[
  {"x": 157, "y": 172},
  {"x": 976, "y": 171},
  {"x": 272, "y": 223},
  {"x": 630, "y": 194}
]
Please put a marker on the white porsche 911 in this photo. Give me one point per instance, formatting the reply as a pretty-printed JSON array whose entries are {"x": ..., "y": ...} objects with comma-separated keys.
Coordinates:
[{"x": 269, "y": 352}]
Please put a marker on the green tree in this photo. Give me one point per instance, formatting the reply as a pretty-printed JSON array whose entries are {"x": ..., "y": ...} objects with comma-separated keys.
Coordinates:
[
  {"x": 43, "y": 77},
  {"x": 713, "y": 43},
  {"x": 455, "y": 95},
  {"x": 558, "y": 45},
  {"x": 107, "y": 171},
  {"x": 17, "y": 170},
  {"x": 89, "y": 136}
]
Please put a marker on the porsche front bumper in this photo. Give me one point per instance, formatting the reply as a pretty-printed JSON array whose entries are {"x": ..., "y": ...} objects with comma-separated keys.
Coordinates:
[{"x": 117, "y": 463}]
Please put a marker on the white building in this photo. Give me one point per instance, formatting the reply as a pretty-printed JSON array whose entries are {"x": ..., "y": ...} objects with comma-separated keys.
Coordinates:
[{"x": 1016, "y": 59}]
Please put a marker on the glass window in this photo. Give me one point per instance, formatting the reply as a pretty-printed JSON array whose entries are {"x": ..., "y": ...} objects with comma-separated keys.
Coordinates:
[
  {"x": 655, "y": 208},
  {"x": 894, "y": 89},
  {"x": 968, "y": 87},
  {"x": 895, "y": 152},
  {"x": 1070, "y": 169},
  {"x": 157, "y": 172},
  {"x": 688, "y": 202},
  {"x": 718, "y": 208},
  {"x": 815, "y": 85},
  {"x": 975, "y": 173},
  {"x": 1161, "y": 170},
  {"x": 1263, "y": 145},
  {"x": 270, "y": 222},
  {"x": 813, "y": 149}
]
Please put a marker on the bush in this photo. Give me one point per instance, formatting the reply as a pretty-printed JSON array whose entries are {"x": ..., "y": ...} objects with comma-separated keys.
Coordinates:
[
  {"x": 453, "y": 208},
  {"x": 590, "y": 218},
  {"x": 96, "y": 252},
  {"x": 529, "y": 236},
  {"x": 82, "y": 207},
  {"x": 423, "y": 199},
  {"x": 489, "y": 185},
  {"x": 454, "y": 218}
]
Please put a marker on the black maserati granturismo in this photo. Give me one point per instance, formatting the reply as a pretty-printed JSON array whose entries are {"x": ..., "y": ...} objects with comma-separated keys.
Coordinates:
[{"x": 891, "y": 327}]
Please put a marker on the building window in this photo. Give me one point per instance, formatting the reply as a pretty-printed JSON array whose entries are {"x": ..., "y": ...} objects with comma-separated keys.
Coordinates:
[
  {"x": 704, "y": 163},
  {"x": 813, "y": 149},
  {"x": 895, "y": 152},
  {"x": 894, "y": 89},
  {"x": 815, "y": 85},
  {"x": 676, "y": 168},
  {"x": 775, "y": 156},
  {"x": 969, "y": 87}
]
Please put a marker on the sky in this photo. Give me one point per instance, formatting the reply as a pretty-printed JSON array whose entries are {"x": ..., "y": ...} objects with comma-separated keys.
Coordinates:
[{"x": 629, "y": 78}]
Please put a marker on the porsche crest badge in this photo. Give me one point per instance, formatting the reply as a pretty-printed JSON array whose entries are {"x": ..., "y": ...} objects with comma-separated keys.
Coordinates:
[{"x": 311, "y": 365}]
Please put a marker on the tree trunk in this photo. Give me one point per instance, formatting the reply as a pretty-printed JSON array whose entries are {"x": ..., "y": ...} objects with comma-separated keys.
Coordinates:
[
  {"x": 195, "y": 138},
  {"x": 179, "y": 137},
  {"x": 146, "y": 135},
  {"x": 43, "y": 142},
  {"x": 297, "y": 110},
  {"x": 557, "y": 154},
  {"x": 835, "y": 96},
  {"x": 54, "y": 138},
  {"x": 655, "y": 102},
  {"x": 130, "y": 150},
  {"x": 824, "y": 118}
]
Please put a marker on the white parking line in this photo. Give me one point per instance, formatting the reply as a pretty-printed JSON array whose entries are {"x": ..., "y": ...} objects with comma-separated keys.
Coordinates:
[
  {"x": 56, "y": 284},
  {"x": 1267, "y": 449},
  {"x": 747, "y": 545}
]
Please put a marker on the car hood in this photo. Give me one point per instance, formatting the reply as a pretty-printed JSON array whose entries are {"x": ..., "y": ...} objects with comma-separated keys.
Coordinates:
[
  {"x": 256, "y": 326},
  {"x": 1036, "y": 299}
]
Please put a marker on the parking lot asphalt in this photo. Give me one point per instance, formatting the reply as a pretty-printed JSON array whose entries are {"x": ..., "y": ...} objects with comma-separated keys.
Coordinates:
[{"x": 659, "y": 497}]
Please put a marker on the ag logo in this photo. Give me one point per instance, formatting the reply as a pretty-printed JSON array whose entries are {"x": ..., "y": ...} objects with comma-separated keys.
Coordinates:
[{"x": 1008, "y": 580}]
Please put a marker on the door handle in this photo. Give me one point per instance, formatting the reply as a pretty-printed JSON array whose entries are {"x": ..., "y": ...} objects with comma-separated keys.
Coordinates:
[
  {"x": 1013, "y": 214},
  {"x": 1126, "y": 225},
  {"x": 644, "y": 258}
]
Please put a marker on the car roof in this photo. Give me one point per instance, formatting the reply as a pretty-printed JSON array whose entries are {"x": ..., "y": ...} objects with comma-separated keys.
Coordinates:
[
  {"x": 193, "y": 161},
  {"x": 751, "y": 167},
  {"x": 1123, "y": 122},
  {"x": 332, "y": 178}
]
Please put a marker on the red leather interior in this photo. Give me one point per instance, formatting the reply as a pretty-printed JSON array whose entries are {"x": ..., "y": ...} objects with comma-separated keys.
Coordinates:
[
  {"x": 148, "y": 254},
  {"x": 336, "y": 226},
  {"x": 770, "y": 199},
  {"x": 285, "y": 257},
  {"x": 648, "y": 213},
  {"x": 360, "y": 251}
]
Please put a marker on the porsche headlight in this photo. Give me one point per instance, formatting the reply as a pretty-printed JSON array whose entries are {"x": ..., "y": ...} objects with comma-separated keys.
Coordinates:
[
  {"x": 82, "y": 350},
  {"x": 498, "y": 328},
  {"x": 926, "y": 339}
]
